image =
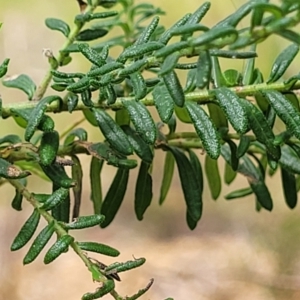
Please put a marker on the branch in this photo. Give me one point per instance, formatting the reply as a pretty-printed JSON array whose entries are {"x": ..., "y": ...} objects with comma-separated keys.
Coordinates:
[{"x": 201, "y": 97}]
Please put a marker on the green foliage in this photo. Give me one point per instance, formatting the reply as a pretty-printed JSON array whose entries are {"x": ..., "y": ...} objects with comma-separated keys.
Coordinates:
[{"x": 233, "y": 113}]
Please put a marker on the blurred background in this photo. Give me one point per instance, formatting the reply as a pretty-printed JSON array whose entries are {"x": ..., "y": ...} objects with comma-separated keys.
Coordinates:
[{"x": 234, "y": 253}]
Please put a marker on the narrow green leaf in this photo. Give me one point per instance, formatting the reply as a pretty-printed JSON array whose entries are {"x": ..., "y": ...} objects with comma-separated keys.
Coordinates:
[
  {"x": 140, "y": 147},
  {"x": 58, "y": 175},
  {"x": 21, "y": 82},
  {"x": 4, "y": 67},
  {"x": 112, "y": 132},
  {"x": 98, "y": 248},
  {"x": 9, "y": 171},
  {"x": 85, "y": 222},
  {"x": 261, "y": 129},
  {"x": 72, "y": 101},
  {"x": 114, "y": 196},
  {"x": 138, "y": 51},
  {"x": 91, "y": 34},
  {"x": 39, "y": 243},
  {"x": 243, "y": 146},
  {"x": 190, "y": 84},
  {"x": 10, "y": 139},
  {"x": 229, "y": 174},
  {"x": 59, "y": 25},
  {"x": 56, "y": 198},
  {"x": 37, "y": 114},
  {"x": 59, "y": 247},
  {"x": 77, "y": 175},
  {"x": 289, "y": 159},
  {"x": 143, "y": 191},
  {"x": 289, "y": 188},
  {"x": 216, "y": 36},
  {"x": 198, "y": 15},
  {"x": 139, "y": 85},
  {"x": 205, "y": 129},
  {"x": 195, "y": 162},
  {"x": 203, "y": 70},
  {"x": 92, "y": 55},
  {"x": 182, "y": 114},
  {"x": 213, "y": 177},
  {"x": 282, "y": 62},
  {"x": 17, "y": 201},
  {"x": 147, "y": 32},
  {"x": 163, "y": 102},
  {"x": 239, "y": 194},
  {"x": 142, "y": 120},
  {"x": 122, "y": 267},
  {"x": 233, "y": 108},
  {"x": 95, "y": 183},
  {"x": 189, "y": 184},
  {"x": 48, "y": 148},
  {"x": 217, "y": 116},
  {"x": 285, "y": 111},
  {"x": 107, "y": 287},
  {"x": 167, "y": 177},
  {"x": 27, "y": 231},
  {"x": 169, "y": 63},
  {"x": 174, "y": 88},
  {"x": 79, "y": 133}
]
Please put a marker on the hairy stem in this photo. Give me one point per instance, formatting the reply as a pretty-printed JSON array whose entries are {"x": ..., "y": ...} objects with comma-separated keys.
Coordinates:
[{"x": 202, "y": 97}]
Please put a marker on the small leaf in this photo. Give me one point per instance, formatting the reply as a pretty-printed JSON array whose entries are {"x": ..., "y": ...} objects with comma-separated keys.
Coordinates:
[
  {"x": 17, "y": 201},
  {"x": 140, "y": 147},
  {"x": 143, "y": 191},
  {"x": 39, "y": 243},
  {"x": 37, "y": 114},
  {"x": 107, "y": 287},
  {"x": 233, "y": 108},
  {"x": 169, "y": 63},
  {"x": 91, "y": 34},
  {"x": 205, "y": 129},
  {"x": 56, "y": 198},
  {"x": 98, "y": 248},
  {"x": 58, "y": 175},
  {"x": 243, "y": 146},
  {"x": 27, "y": 231},
  {"x": 79, "y": 133},
  {"x": 59, "y": 25},
  {"x": 174, "y": 88},
  {"x": 9, "y": 171},
  {"x": 4, "y": 67},
  {"x": 285, "y": 111},
  {"x": 163, "y": 102},
  {"x": 112, "y": 132},
  {"x": 239, "y": 194},
  {"x": 289, "y": 188},
  {"x": 59, "y": 247},
  {"x": 229, "y": 174},
  {"x": 95, "y": 182},
  {"x": 282, "y": 62},
  {"x": 122, "y": 267},
  {"x": 213, "y": 177},
  {"x": 142, "y": 120},
  {"x": 147, "y": 32},
  {"x": 21, "y": 82},
  {"x": 72, "y": 101},
  {"x": 77, "y": 175},
  {"x": 195, "y": 162},
  {"x": 189, "y": 184},
  {"x": 167, "y": 177},
  {"x": 48, "y": 148},
  {"x": 261, "y": 129},
  {"x": 92, "y": 55},
  {"x": 139, "y": 85},
  {"x": 114, "y": 196},
  {"x": 203, "y": 70},
  {"x": 289, "y": 159},
  {"x": 85, "y": 222}
]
